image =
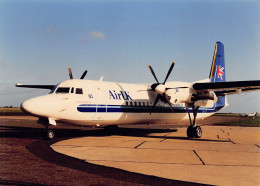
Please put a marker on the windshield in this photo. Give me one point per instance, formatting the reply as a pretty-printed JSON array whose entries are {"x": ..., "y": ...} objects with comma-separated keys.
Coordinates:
[
  {"x": 54, "y": 88},
  {"x": 62, "y": 90}
]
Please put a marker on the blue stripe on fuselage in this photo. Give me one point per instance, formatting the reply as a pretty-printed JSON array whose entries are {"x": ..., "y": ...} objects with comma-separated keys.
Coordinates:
[{"x": 138, "y": 109}]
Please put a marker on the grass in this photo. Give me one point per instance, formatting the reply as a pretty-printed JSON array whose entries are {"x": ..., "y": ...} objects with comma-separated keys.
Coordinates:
[
  {"x": 11, "y": 112},
  {"x": 248, "y": 122}
]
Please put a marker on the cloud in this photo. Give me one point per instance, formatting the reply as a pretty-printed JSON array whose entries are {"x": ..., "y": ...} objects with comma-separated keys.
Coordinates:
[
  {"x": 52, "y": 30},
  {"x": 97, "y": 35},
  {"x": 84, "y": 40}
]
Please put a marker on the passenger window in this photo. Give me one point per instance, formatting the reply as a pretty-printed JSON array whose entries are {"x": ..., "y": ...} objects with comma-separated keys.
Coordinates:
[
  {"x": 126, "y": 103},
  {"x": 62, "y": 90},
  {"x": 131, "y": 103},
  {"x": 79, "y": 91}
]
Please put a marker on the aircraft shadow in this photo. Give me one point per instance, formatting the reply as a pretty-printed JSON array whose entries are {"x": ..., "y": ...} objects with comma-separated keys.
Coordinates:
[{"x": 38, "y": 133}]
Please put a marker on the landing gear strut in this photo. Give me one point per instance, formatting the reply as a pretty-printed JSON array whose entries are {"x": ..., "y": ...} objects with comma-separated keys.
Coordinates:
[{"x": 193, "y": 131}]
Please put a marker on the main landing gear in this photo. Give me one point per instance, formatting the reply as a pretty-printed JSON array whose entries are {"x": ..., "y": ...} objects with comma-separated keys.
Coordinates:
[{"x": 193, "y": 131}]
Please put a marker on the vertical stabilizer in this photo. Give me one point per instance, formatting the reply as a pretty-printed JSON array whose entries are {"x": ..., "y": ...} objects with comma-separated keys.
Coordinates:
[{"x": 217, "y": 72}]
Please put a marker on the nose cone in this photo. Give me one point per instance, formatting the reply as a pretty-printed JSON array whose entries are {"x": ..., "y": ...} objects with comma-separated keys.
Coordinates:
[
  {"x": 30, "y": 106},
  {"x": 39, "y": 106}
]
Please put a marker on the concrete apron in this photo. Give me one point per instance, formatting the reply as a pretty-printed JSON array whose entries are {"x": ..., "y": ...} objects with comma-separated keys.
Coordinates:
[{"x": 223, "y": 156}]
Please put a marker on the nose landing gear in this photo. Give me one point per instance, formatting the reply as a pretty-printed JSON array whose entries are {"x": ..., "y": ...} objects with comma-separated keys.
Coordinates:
[
  {"x": 193, "y": 131},
  {"x": 49, "y": 134}
]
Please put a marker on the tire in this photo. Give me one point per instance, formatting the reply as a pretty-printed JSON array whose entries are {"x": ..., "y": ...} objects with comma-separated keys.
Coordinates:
[
  {"x": 50, "y": 134},
  {"x": 197, "y": 132},
  {"x": 190, "y": 132}
]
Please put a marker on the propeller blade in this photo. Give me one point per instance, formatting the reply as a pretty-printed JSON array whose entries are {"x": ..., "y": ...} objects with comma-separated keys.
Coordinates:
[
  {"x": 168, "y": 101},
  {"x": 151, "y": 69},
  {"x": 84, "y": 74},
  {"x": 155, "y": 102},
  {"x": 169, "y": 72},
  {"x": 70, "y": 73}
]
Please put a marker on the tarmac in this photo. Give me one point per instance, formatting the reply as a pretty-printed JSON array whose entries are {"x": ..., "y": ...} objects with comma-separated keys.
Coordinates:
[{"x": 223, "y": 156}]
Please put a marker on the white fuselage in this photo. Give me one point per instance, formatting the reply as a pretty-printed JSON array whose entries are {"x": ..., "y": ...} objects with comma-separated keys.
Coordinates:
[{"x": 100, "y": 103}]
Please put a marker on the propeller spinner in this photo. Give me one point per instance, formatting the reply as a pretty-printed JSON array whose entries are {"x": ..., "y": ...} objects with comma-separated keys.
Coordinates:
[{"x": 160, "y": 88}]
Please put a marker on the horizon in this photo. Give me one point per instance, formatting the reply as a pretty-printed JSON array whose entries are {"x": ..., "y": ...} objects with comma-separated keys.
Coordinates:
[{"x": 118, "y": 39}]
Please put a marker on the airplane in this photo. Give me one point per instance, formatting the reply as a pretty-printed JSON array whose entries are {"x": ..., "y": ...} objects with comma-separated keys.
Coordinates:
[
  {"x": 253, "y": 115},
  {"x": 109, "y": 104}
]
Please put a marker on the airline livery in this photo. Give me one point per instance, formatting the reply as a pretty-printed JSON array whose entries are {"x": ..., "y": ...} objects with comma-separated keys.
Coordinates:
[{"x": 109, "y": 104}]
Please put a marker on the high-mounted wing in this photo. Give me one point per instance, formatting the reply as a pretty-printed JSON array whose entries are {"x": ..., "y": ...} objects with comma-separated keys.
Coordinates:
[
  {"x": 228, "y": 87},
  {"x": 36, "y": 86}
]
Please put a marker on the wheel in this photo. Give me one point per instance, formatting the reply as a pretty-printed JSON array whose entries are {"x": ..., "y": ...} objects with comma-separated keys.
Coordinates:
[
  {"x": 50, "y": 134},
  {"x": 190, "y": 132},
  {"x": 197, "y": 132}
]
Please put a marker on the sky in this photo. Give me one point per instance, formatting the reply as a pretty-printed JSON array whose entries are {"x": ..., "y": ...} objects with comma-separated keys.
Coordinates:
[{"x": 118, "y": 39}]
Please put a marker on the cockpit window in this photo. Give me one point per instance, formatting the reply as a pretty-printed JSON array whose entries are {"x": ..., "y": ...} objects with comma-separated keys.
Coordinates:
[
  {"x": 79, "y": 91},
  {"x": 62, "y": 90},
  {"x": 54, "y": 88}
]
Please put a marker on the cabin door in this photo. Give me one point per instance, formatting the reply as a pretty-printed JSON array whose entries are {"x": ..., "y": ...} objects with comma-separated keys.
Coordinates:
[{"x": 101, "y": 106}]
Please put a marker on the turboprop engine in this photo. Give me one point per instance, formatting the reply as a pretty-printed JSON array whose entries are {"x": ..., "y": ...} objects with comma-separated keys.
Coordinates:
[
  {"x": 175, "y": 94},
  {"x": 187, "y": 95}
]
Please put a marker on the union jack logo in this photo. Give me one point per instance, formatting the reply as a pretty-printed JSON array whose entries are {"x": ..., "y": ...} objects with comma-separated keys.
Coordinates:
[{"x": 220, "y": 72}]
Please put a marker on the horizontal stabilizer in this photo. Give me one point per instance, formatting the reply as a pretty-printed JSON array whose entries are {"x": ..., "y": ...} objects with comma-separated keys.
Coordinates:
[
  {"x": 35, "y": 86},
  {"x": 228, "y": 87}
]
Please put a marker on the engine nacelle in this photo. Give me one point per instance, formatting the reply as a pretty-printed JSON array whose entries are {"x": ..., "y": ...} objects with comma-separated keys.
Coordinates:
[
  {"x": 206, "y": 96},
  {"x": 179, "y": 95},
  {"x": 205, "y": 99},
  {"x": 204, "y": 103}
]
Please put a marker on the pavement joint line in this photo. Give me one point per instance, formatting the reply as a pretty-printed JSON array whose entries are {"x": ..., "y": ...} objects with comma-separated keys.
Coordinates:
[
  {"x": 140, "y": 144},
  {"x": 163, "y": 140},
  {"x": 172, "y": 163},
  {"x": 218, "y": 136},
  {"x": 257, "y": 145},
  {"x": 89, "y": 160},
  {"x": 231, "y": 141},
  {"x": 165, "y": 137},
  {"x": 199, "y": 157}
]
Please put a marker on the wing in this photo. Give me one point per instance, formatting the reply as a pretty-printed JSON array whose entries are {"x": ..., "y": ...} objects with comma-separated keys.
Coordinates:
[
  {"x": 228, "y": 87},
  {"x": 36, "y": 86}
]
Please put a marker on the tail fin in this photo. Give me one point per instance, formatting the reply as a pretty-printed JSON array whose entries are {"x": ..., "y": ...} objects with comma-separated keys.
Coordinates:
[{"x": 217, "y": 72}]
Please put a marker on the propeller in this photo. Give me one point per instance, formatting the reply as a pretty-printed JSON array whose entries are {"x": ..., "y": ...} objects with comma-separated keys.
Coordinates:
[
  {"x": 160, "y": 88},
  {"x": 84, "y": 74},
  {"x": 70, "y": 73},
  {"x": 82, "y": 77}
]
